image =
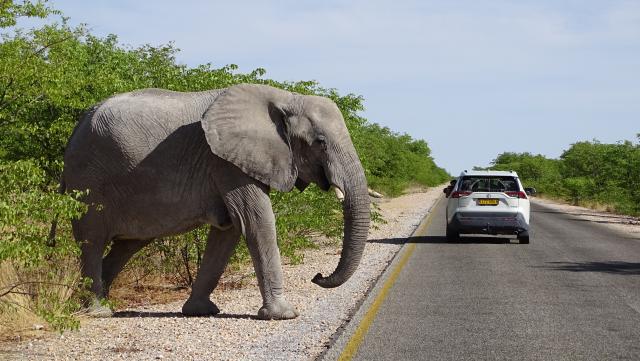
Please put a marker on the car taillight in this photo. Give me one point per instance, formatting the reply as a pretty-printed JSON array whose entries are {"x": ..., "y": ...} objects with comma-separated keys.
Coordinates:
[
  {"x": 521, "y": 195},
  {"x": 459, "y": 194}
]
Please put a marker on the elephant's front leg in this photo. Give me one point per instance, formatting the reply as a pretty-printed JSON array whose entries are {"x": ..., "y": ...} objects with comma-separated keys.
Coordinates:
[
  {"x": 266, "y": 262},
  {"x": 251, "y": 211}
]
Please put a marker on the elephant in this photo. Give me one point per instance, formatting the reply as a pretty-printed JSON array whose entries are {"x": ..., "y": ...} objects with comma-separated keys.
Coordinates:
[{"x": 158, "y": 163}]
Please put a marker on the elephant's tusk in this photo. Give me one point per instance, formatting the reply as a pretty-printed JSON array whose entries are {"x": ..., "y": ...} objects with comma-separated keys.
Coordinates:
[
  {"x": 340, "y": 195},
  {"x": 374, "y": 194}
]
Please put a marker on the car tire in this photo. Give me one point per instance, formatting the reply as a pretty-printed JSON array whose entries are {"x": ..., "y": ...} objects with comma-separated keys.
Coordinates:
[
  {"x": 452, "y": 235},
  {"x": 523, "y": 237}
]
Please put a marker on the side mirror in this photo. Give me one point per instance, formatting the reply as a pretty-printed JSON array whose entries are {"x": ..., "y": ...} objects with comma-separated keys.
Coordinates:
[
  {"x": 447, "y": 190},
  {"x": 530, "y": 191}
]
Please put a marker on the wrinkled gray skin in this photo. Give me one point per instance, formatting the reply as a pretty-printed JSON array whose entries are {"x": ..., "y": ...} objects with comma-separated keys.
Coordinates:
[{"x": 161, "y": 163}]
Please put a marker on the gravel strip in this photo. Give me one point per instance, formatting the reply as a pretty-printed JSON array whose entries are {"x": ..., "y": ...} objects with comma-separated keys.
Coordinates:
[
  {"x": 624, "y": 224},
  {"x": 160, "y": 332}
]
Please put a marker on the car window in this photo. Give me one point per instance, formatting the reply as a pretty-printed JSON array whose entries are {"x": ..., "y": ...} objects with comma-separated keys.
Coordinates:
[{"x": 489, "y": 184}]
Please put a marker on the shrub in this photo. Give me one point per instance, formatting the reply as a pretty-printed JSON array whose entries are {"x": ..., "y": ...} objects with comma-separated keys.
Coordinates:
[
  {"x": 586, "y": 173},
  {"x": 37, "y": 278}
]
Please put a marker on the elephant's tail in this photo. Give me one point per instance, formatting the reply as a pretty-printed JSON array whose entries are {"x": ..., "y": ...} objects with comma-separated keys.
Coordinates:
[{"x": 51, "y": 240}]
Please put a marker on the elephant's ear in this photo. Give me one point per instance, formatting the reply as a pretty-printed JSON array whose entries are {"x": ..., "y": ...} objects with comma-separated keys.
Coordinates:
[{"x": 246, "y": 126}]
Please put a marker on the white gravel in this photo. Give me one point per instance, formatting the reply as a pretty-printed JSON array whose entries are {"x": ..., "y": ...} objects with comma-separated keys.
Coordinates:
[{"x": 160, "y": 332}]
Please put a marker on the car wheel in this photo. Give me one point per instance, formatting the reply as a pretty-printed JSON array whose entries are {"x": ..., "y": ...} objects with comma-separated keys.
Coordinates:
[
  {"x": 523, "y": 237},
  {"x": 452, "y": 235}
]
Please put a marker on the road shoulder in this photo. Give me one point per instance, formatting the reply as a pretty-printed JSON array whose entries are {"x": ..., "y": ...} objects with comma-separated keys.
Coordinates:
[{"x": 627, "y": 225}]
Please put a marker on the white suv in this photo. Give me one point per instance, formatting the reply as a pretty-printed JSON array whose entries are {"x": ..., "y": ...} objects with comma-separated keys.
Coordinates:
[{"x": 488, "y": 202}]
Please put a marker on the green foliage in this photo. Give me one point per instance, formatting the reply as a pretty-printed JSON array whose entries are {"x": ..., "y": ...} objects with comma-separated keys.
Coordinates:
[
  {"x": 27, "y": 207},
  {"x": 301, "y": 215},
  {"x": 534, "y": 170},
  {"x": 11, "y": 10},
  {"x": 51, "y": 74},
  {"x": 393, "y": 161},
  {"x": 28, "y": 204},
  {"x": 587, "y": 172}
]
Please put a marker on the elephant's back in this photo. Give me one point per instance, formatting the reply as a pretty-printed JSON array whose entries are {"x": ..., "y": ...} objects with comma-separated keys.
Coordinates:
[
  {"x": 143, "y": 118},
  {"x": 116, "y": 136}
]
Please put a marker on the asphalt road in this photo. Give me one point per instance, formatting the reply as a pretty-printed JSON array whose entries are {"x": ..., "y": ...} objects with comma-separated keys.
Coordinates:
[{"x": 572, "y": 294}]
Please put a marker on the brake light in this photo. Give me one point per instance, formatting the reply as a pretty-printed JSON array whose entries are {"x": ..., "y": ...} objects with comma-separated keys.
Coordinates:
[
  {"x": 521, "y": 195},
  {"x": 459, "y": 194}
]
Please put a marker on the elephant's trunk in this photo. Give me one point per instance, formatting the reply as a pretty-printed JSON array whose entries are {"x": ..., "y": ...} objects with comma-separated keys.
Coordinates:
[{"x": 356, "y": 227}]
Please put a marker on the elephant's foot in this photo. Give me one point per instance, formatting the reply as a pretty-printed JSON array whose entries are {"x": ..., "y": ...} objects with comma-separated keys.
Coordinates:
[
  {"x": 277, "y": 310},
  {"x": 98, "y": 310},
  {"x": 199, "y": 307}
]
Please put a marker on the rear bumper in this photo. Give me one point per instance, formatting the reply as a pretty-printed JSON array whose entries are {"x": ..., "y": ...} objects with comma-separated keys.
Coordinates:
[{"x": 497, "y": 223}]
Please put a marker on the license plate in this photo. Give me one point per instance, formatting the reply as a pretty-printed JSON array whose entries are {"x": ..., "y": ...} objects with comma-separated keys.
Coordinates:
[{"x": 488, "y": 202}]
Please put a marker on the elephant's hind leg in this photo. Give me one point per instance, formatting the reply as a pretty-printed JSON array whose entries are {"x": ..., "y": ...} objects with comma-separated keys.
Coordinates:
[
  {"x": 121, "y": 251},
  {"x": 90, "y": 232},
  {"x": 220, "y": 245}
]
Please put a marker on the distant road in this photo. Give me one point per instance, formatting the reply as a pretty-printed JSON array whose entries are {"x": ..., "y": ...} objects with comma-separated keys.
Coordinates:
[{"x": 572, "y": 294}]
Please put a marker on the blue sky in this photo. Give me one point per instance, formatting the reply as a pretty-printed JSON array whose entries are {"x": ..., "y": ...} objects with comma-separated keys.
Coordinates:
[{"x": 472, "y": 78}]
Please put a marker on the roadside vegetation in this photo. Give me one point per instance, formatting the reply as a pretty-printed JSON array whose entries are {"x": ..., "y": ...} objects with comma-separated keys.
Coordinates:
[
  {"x": 589, "y": 173},
  {"x": 48, "y": 76}
]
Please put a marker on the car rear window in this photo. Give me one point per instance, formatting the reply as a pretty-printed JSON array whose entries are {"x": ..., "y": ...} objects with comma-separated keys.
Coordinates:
[{"x": 489, "y": 184}]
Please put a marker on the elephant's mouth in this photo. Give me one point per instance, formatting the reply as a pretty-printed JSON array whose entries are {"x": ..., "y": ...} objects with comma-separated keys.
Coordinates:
[
  {"x": 323, "y": 181},
  {"x": 301, "y": 184},
  {"x": 319, "y": 177}
]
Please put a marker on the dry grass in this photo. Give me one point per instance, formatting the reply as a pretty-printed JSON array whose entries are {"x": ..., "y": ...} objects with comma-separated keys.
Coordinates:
[
  {"x": 26, "y": 294},
  {"x": 597, "y": 206},
  {"x": 145, "y": 294},
  {"x": 593, "y": 205},
  {"x": 16, "y": 309},
  {"x": 134, "y": 288},
  {"x": 420, "y": 188}
]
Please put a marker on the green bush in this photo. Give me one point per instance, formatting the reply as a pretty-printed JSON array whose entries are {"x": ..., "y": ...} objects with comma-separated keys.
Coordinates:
[
  {"x": 588, "y": 172},
  {"x": 28, "y": 264}
]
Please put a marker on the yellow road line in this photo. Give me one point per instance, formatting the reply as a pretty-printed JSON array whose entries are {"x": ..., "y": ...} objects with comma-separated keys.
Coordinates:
[{"x": 358, "y": 336}]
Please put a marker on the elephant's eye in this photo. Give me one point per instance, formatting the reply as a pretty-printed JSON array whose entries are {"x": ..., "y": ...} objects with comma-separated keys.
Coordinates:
[{"x": 322, "y": 141}]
